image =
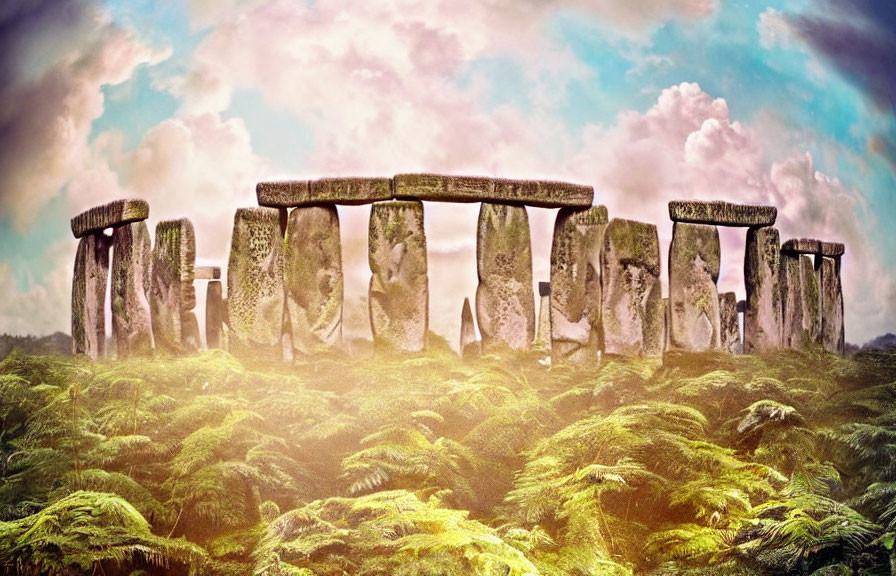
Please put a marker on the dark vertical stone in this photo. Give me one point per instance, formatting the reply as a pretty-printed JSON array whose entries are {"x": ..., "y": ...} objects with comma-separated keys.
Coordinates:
[
  {"x": 172, "y": 294},
  {"x": 131, "y": 283},
  {"x": 729, "y": 328},
  {"x": 762, "y": 319},
  {"x": 832, "y": 333},
  {"x": 89, "y": 295},
  {"x": 214, "y": 315}
]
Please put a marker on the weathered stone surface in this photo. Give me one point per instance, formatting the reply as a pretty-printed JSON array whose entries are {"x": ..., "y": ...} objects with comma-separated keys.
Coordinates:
[
  {"x": 289, "y": 193},
  {"x": 543, "y": 323},
  {"x": 171, "y": 292},
  {"x": 722, "y": 213},
  {"x": 214, "y": 315},
  {"x": 445, "y": 188},
  {"x": 131, "y": 283},
  {"x": 399, "y": 285},
  {"x": 575, "y": 284},
  {"x": 313, "y": 278},
  {"x": 811, "y": 298},
  {"x": 832, "y": 333},
  {"x": 468, "y": 344},
  {"x": 115, "y": 213},
  {"x": 729, "y": 329},
  {"x": 667, "y": 321},
  {"x": 802, "y": 246},
  {"x": 191, "y": 341},
  {"x": 800, "y": 300},
  {"x": 207, "y": 272},
  {"x": 694, "y": 260},
  {"x": 832, "y": 249},
  {"x": 762, "y": 318},
  {"x": 505, "y": 303},
  {"x": 631, "y": 304},
  {"x": 255, "y": 298},
  {"x": 89, "y": 295}
]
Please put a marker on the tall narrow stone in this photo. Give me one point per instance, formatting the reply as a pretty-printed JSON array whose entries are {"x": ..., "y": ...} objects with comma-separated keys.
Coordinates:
[
  {"x": 131, "y": 282},
  {"x": 832, "y": 333},
  {"x": 762, "y": 318},
  {"x": 575, "y": 284},
  {"x": 89, "y": 295},
  {"x": 468, "y": 345},
  {"x": 543, "y": 326},
  {"x": 214, "y": 315},
  {"x": 632, "y": 304},
  {"x": 792, "y": 335},
  {"x": 729, "y": 329},
  {"x": 255, "y": 284},
  {"x": 505, "y": 303},
  {"x": 811, "y": 298},
  {"x": 399, "y": 285},
  {"x": 172, "y": 294},
  {"x": 313, "y": 278},
  {"x": 694, "y": 260}
]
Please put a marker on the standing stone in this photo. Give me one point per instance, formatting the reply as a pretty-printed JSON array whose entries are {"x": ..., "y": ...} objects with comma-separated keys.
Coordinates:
[
  {"x": 631, "y": 303},
  {"x": 762, "y": 318},
  {"x": 214, "y": 315},
  {"x": 575, "y": 284},
  {"x": 694, "y": 260},
  {"x": 543, "y": 326},
  {"x": 313, "y": 278},
  {"x": 399, "y": 285},
  {"x": 667, "y": 311},
  {"x": 468, "y": 344},
  {"x": 191, "y": 331},
  {"x": 89, "y": 295},
  {"x": 131, "y": 282},
  {"x": 811, "y": 298},
  {"x": 729, "y": 329},
  {"x": 792, "y": 334},
  {"x": 832, "y": 334},
  {"x": 505, "y": 303},
  {"x": 172, "y": 294},
  {"x": 255, "y": 284}
]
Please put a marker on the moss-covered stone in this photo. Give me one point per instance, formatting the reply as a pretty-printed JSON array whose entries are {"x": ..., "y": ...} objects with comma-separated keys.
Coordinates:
[
  {"x": 720, "y": 213},
  {"x": 89, "y": 295},
  {"x": 791, "y": 285},
  {"x": 811, "y": 299},
  {"x": 172, "y": 293},
  {"x": 832, "y": 249},
  {"x": 117, "y": 213},
  {"x": 801, "y": 246},
  {"x": 444, "y": 188},
  {"x": 694, "y": 260},
  {"x": 313, "y": 278},
  {"x": 131, "y": 284},
  {"x": 351, "y": 191},
  {"x": 729, "y": 329},
  {"x": 214, "y": 315},
  {"x": 832, "y": 332},
  {"x": 505, "y": 302},
  {"x": 762, "y": 318}
]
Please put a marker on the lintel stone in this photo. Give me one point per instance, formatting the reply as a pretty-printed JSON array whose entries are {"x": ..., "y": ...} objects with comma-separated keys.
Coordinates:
[
  {"x": 812, "y": 246},
  {"x": 351, "y": 191},
  {"x": 722, "y": 213},
  {"x": 832, "y": 249},
  {"x": 445, "y": 188},
  {"x": 115, "y": 213},
  {"x": 207, "y": 272}
]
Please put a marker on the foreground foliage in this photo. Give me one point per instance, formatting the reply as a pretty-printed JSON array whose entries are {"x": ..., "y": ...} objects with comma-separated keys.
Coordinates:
[{"x": 776, "y": 464}]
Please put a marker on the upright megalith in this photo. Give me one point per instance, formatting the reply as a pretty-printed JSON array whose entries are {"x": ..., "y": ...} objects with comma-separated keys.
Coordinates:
[
  {"x": 694, "y": 260},
  {"x": 576, "y": 284},
  {"x": 172, "y": 295},
  {"x": 631, "y": 301},
  {"x": 811, "y": 298},
  {"x": 255, "y": 298},
  {"x": 131, "y": 284},
  {"x": 469, "y": 346},
  {"x": 543, "y": 324},
  {"x": 214, "y": 315},
  {"x": 762, "y": 318},
  {"x": 729, "y": 329},
  {"x": 832, "y": 333},
  {"x": 800, "y": 300},
  {"x": 505, "y": 303},
  {"x": 313, "y": 278},
  {"x": 89, "y": 295},
  {"x": 399, "y": 284}
]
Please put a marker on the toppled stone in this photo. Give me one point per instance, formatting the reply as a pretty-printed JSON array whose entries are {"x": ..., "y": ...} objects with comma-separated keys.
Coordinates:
[
  {"x": 109, "y": 215},
  {"x": 468, "y": 345},
  {"x": 762, "y": 319},
  {"x": 802, "y": 246},
  {"x": 729, "y": 329},
  {"x": 722, "y": 213},
  {"x": 89, "y": 295},
  {"x": 832, "y": 333},
  {"x": 214, "y": 315},
  {"x": 631, "y": 304},
  {"x": 131, "y": 283},
  {"x": 313, "y": 279},
  {"x": 444, "y": 188},
  {"x": 207, "y": 272},
  {"x": 694, "y": 260},
  {"x": 171, "y": 292},
  {"x": 505, "y": 303},
  {"x": 255, "y": 299},
  {"x": 290, "y": 193},
  {"x": 399, "y": 285},
  {"x": 832, "y": 249},
  {"x": 575, "y": 281}
]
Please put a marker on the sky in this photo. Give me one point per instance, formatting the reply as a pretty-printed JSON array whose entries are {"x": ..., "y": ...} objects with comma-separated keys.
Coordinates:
[{"x": 188, "y": 104}]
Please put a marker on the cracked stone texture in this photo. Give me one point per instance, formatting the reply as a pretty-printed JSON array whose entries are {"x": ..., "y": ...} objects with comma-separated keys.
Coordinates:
[
  {"x": 722, "y": 213},
  {"x": 399, "y": 284},
  {"x": 468, "y": 344},
  {"x": 89, "y": 295},
  {"x": 131, "y": 283},
  {"x": 214, "y": 315},
  {"x": 832, "y": 333},
  {"x": 505, "y": 302},
  {"x": 444, "y": 188},
  {"x": 800, "y": 299},
  {"x": 255, "y": 298},
  {"x": 694, "y": 260},
  {"x": 762, "y": 318},
  {"x": 172, "y": 294},
  {"x": 576, "y": 334},
  {"x": 351, "y": 191},
  {"x": 802, "y": 246},
  {"x": 109, "y": 215},
  {"x": 729, "y": 329},
  {"x": 313, "y": 278},
  {"x": 832, "y": 249},
  {"x": 632, "y": 305}
]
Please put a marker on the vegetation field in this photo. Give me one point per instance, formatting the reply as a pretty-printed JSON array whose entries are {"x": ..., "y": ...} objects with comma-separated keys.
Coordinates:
[{"x": 710, "y": 464}]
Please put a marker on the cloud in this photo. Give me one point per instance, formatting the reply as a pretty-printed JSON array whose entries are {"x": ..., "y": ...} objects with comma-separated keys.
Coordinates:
[{"x": 42, "y": 308}]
